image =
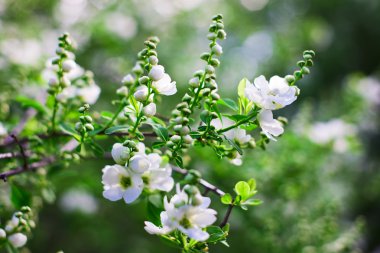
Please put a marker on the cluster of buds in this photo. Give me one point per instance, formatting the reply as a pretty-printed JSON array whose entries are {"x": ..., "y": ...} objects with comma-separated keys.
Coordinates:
[
  {"x": 304, "y": 67},
  {"x": 16, "y": 228},
  {"x": 84, "y": 124},
  {"x": 64, "y": 63}
]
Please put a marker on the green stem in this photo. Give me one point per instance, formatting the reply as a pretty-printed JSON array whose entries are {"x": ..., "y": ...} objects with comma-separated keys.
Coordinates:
[
  {"x": 121, "y": 107},
  {"x": 55, "y": 109},
  {"x": 241, "y": 122}
]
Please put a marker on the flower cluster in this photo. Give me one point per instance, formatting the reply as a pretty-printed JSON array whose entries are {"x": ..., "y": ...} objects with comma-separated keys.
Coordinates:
[
  {"x": 16, "y": 228},
  {"x": 134, "y": 171},
  {"x": 68, "y": 80},
  {"x": 187, "y": 211}
]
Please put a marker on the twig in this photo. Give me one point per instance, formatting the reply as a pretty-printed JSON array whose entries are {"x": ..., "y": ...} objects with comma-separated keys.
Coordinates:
[
  {"x": 13, "y": 155},
  {"x": 227, "y": 216},
  {"x": 22, "y": 151}
]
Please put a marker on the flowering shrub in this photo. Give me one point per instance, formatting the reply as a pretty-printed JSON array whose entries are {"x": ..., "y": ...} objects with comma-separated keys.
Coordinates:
[{"x": 149, "y": 148}]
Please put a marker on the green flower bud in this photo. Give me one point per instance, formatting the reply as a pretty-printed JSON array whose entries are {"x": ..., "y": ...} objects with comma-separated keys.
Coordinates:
[
  {"x": 217, "y": 49},
  {"x": 210, "y": 69},
  {"x": 137, "y": 69},
  {"x": 298, "y": 74},
  {"x": 309, "y": 63},
  {"x": 217, "y": 17},
  {"x": 219, "y": 26},
  {"x": 301, "y": 64},
  {"x": 89, "y": 127},
  {"x": 199, "y": 73},
  {"x": 305, "y": 70},
  {"x": 211, "y": 36},
  {"x": 194, "y": 82},
  {"x": 26, "y": 209},
  {"x": 170, "y": 144},
  {"x": 88, "y": 118},
  {"x": 186, "y": 111},
  {"x": 252, "y": 143},
  {"x": 205, "y": 56},
  {"x": 307, "y": 57},
  {"x": 18, "y": 214},
  {"x": 186, "y": 98},
  {"x": 215, "y": 62},
  {"x": 187, "y": 139},
  {"x": 78, "y": 126},
  {"x": 222, "y": 34},
  {"x": 185, "y": 130},
  {"x": 289, "y": 78},
  {"x": 177, "y": 128},
  {"x": 143, "y": 80},
  {"x": 205, "y": 92},
  {"x": 150, "y": 44},
  {"x": 176, "y": 112},
  {"x": 182, "y": 105},
  {"x": 212, "y": 27},
  {"x": 214, "y": 115},
  {"x": 215, "y": 96}
]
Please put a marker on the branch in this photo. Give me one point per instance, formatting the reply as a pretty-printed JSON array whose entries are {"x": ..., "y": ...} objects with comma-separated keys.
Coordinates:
[
  {"x": 227, "y": 216},
  {"x": 23, "y": 155}
]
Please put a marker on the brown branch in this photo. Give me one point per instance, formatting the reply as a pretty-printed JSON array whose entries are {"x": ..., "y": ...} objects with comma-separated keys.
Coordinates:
[
  {"x": 22, "y": 151},
  {"x": 227, "y": 216}
]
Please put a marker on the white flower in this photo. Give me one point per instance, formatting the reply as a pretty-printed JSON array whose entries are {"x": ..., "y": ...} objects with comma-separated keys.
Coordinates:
[
  {"x": 123, "y": 91},
  {"x": 273, "y": 95},
  {"x": 270, "y": 126},
  {"x": 238, "y": 135},
  {"x": 89, "y": 94},
  {"x": 188, "y": 214},
  {"x": 68, "y": 65},
  {"x": 120, "y": 153},
  {"x": 150, "y": 110},
  {"x": 17, "y": 240},
  {"x": 79, "y": 200},
  {"x": 165, "y": 86},
  {"x": 139, "y": 163},
  {"x": 157, "y": 72},
  {"x": 237, "y": 161},
  {"x": 157, "y": 177},
  {"x": 141, "y": 93},
  {"x": 3, "y": 234},
  {"x": 121, "y": 183},
  {"x": 3, "y": 130},
  {"x": 334, "y": 131}
]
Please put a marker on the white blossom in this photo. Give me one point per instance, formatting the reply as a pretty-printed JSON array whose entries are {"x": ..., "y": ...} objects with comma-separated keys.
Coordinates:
[
  {"x": 270, "y": 126},
  {"x": 335, "y": 131},
  {"x": 188, "y": 214},
  {"x": 79, "y": 200},
  {"x": 150, "y": 110},
  {"x": 123, "y": 91},
  {"x": 139, "y": 163},
  {"x": 120, "y": 153},
  {"x": 273, "y": 95},
  {"x": 165, "y": 86},
  {"x": 128, "y": 79},
  {"x": 68, "y": 65},
  {"x": 158, "y": 177},
  {"x": 157, "y": 72},
  {"x": 17, "y": 240},
  {"x": 236, "y": 134},
  {"x": 89, "y": 94},
  {"x": 121, "y": 183}
]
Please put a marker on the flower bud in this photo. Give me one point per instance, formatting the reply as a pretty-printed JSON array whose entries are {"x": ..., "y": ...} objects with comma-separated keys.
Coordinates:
[
  {"x": 139, "y": 163},
  {"x": 17, "y": 240},
  {"x": 157, "y": 72},
  {"x": 186, "y": 111},
  {"x": 120, "y": 153},
  {"x": 206, "y": 92},
  {"x": 185, "y": 130},
  {"x": 122, "y": 91},
  {"x": 210, "y": 69},
  {"x": 215, "y": 62},
  {"x": 199, "y": 73},
  {"x": 170, "y": 144},
  {"x": 128, "y": 80},
  {"x": 68, "y": 65},
  {"x": 153, "y": 60},
  {"x": 205, "y": 56},
  {"x": 18, "y": 214},
  {"x": 141, "y": 93},
  {"x": 217, "y": 49},
  {"x": 182, "y": 105},
  {"x": 186, "y": 98},
  {"x": 65, "y": 81},
  {"x": 89, "y": 127},
  {"x": 78, "y": 126},
  {"x": 143, "y": 80},
  {"x": 177, "y": 128},
  {"x": 150, "y": 110},
  {"x": 175, "y": 138},
  {"x": 221, "y": 34},
  {"x": 211, "y": 36},
  {"x": 252, "y": 143},
  {"x": 26, "y": 209},
  {"x": 289, "y": 78},
  {"x": 215, "y": 96},
  {"x": 194, "y": 82},
  {"x": 137, "y": 69},
  {"x": 53, "y": 82},
  {"x": 305, "y": 70},
  {"x": 187, "y": 139}
]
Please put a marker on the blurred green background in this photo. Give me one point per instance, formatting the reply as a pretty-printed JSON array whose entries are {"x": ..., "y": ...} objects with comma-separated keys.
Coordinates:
[{"x": 320, "y": 182}]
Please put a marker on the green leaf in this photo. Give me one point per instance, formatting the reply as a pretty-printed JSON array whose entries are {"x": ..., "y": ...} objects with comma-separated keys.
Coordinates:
[
  {"x": 28, "y": 102},
  {"x": 161, "y": 132},
  {"x": 154, "y": 208},
  {"x": 228, "y": 103},
  {"x": 253, "y": 202},
  {"x": 236, "y": 117},
  {"x": 19, "y": 196},
  {"x": 69, "y": 130},
  {"x": 178, "y": 161},
  {"x": 96, "y": 148},
  {"x": 107, "y": 115},
  {"x": 48, "y": 194},
  {"x": 158, "y": 121},
  {"x": 241, "y": 87},
  {"x": 252, "y": 184},
  {"x": 242, "y": 188},
  {"x": 117, "y": 129},
  {"x": 249, "y": 127},
  {"x": 216, "y": 234},
  {"x": 157, "y": 145},
  {"x": 226, "y": 199},
  {"x": 234, "y": 145}
]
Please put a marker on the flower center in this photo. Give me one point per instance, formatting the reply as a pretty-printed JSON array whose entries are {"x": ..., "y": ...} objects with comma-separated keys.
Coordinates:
[
  {"x": 125, "y": 182},
  {"x": 145, "y": 180},
  {"x": 185, "y": 223}
]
